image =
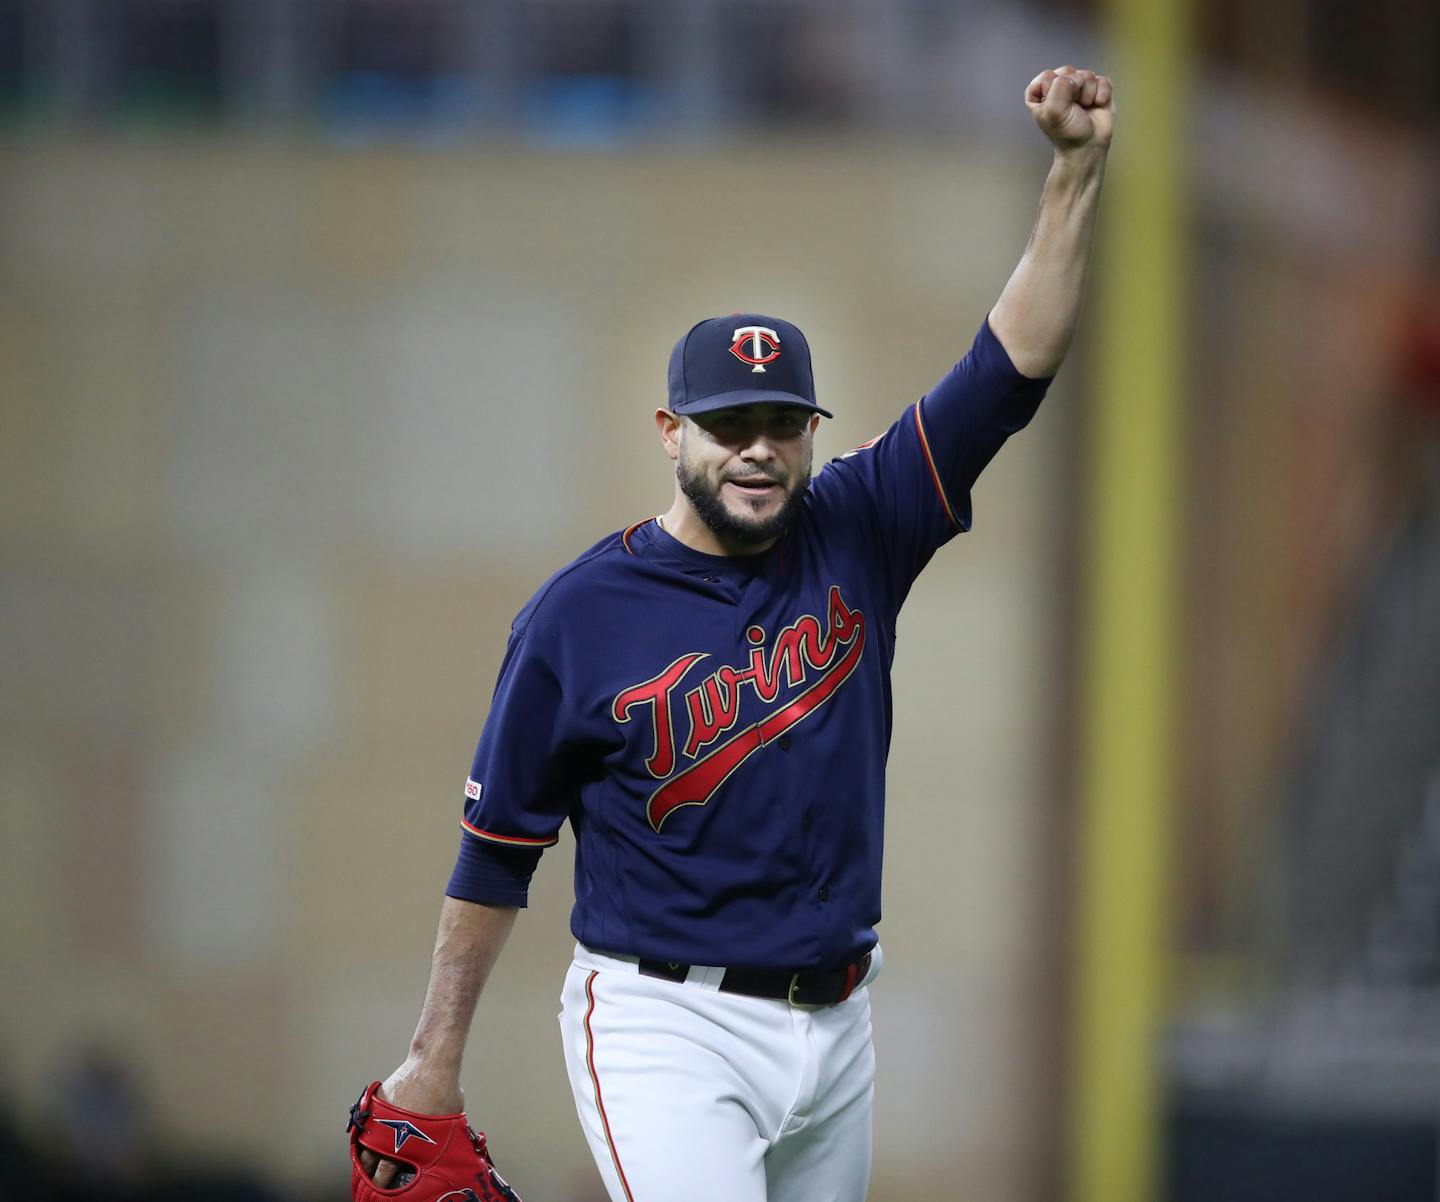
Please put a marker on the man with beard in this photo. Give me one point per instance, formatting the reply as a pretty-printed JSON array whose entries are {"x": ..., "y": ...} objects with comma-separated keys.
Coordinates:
[{"x": 705, "y": 697}]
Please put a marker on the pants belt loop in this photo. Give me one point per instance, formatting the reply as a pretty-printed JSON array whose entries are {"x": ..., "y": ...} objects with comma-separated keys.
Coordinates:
[{"x": 707, "y": 976}]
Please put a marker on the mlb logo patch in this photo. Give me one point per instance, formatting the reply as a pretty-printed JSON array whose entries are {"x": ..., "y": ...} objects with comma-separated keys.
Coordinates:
[{"x": 472, "y": 789}]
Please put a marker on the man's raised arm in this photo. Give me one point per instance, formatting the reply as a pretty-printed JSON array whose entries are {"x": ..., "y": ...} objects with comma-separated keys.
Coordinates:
[{"x": 1035, "y": 317}]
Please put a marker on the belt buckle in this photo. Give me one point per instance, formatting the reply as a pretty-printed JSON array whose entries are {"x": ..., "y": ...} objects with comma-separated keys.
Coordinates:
[{"x": 794, "y": 985}]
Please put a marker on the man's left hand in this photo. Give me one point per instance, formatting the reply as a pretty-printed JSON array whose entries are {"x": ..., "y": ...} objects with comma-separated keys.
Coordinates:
[{"x": 1074, "y": 108}]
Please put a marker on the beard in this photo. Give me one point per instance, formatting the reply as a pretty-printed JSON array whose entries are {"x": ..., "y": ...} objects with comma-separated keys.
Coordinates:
[{"x": 730, "y": 527}]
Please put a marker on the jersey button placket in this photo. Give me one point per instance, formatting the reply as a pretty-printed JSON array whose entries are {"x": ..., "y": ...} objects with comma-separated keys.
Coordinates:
[{"x": 824, "y": 894}]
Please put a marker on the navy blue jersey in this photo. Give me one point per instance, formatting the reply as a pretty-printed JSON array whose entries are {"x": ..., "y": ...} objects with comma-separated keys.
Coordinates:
[{"x": 715, "y": 728}]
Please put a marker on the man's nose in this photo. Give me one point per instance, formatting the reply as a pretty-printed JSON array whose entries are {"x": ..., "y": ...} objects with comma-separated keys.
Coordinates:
[{"x": 758, "y": 448}]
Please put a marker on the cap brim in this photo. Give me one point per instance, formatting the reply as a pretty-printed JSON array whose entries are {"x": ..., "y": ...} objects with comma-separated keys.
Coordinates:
[{"x": 749, "y": 396}]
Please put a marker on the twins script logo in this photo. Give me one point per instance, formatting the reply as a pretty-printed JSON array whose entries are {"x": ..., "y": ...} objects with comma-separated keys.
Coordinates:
[
  {"x": 760, "y": 341},
  {"x": 713, "y": 706}
]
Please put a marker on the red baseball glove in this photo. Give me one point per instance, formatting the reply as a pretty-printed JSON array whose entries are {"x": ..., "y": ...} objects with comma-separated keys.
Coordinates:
[{"x": 442, "y": 1158}]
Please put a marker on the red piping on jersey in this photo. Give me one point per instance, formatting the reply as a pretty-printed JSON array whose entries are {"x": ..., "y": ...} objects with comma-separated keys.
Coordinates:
[
  {"x": 595, "y": 1080},
  {"x": 865, "y": 446},
  {"x": 934, "y": 474},
  {"x": 625, "y": 538},
  {"x": 512, "y": 840}
]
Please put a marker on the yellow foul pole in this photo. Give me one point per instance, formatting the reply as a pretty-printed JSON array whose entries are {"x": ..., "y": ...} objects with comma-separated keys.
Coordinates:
[{"x": 1126, "y": 770}]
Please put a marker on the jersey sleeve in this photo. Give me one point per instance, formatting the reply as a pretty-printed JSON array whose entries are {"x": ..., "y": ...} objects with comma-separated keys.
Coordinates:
[
  {"x": 520, "y": 790},
  {"x": 912, "y": 484}
]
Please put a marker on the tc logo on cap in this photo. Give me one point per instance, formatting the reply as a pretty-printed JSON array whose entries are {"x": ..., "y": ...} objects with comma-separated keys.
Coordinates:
[{"x": 759, "y": 339}]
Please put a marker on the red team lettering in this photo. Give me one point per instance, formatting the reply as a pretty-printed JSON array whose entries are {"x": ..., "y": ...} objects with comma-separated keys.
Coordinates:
[
  {"x": 656, "y": 693},
  {"x": 713, "y": 707}
]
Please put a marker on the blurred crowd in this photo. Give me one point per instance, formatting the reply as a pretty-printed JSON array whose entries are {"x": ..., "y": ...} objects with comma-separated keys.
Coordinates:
[
  {"x": 573, "y": 71},
  {"x": 99, "y": 1139}
]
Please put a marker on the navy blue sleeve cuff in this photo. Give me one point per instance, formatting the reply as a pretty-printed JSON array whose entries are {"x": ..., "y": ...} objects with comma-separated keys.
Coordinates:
[
  {"x": 968, "y": 416},
  {"x": 491, "y": 874},
  {"x": 992, "y": 353}
]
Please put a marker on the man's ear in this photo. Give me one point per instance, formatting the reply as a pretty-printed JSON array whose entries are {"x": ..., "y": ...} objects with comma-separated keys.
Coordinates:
[{"x": 668, "y": 424}]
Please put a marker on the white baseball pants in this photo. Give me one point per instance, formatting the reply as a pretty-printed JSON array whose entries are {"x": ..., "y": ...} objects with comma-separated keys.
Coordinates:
[{"x": 687, "y": 1094}]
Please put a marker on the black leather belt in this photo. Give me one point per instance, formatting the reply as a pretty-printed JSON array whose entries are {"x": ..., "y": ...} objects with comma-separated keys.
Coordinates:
[{"x": 808, "y": 990}]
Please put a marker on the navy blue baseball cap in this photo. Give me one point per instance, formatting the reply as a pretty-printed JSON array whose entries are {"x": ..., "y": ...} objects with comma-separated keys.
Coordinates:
[{"x": 742, "y": 359}]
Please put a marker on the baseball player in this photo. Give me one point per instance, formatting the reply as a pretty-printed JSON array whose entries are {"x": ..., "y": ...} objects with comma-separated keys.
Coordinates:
[{"x": 705, "y": 697}]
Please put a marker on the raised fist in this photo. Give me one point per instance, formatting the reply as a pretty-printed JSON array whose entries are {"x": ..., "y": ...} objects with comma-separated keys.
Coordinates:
[{"x": 1073, "y": 108}]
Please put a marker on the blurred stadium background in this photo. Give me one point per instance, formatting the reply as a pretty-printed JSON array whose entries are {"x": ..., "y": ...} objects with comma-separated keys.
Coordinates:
[{"x": 329, "y": 327}]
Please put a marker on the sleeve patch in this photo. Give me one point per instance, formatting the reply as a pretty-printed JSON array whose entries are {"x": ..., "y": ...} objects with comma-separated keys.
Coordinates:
[{"x": 473, "y": 789}]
